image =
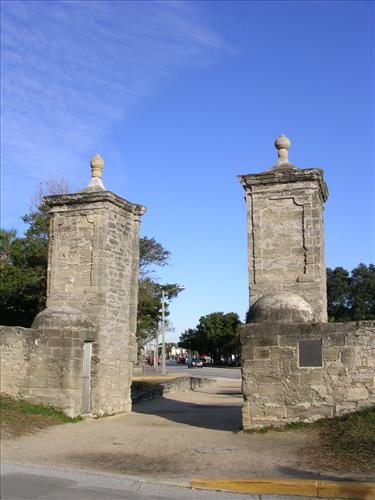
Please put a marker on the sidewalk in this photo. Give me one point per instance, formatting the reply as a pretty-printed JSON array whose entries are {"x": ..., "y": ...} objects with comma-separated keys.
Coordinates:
[{"x": 173, "y": 439}]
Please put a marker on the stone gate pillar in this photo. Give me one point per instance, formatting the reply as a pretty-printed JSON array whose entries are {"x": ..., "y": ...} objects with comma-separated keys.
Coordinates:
[
  {"x": 285, "y": 231},
  {"x": 93, "y": 267}
]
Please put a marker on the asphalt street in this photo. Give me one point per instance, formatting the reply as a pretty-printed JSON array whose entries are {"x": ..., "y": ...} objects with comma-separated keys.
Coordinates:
[
  {"x": 20, "y": 482},
  {"x": 206, "y": 371}
]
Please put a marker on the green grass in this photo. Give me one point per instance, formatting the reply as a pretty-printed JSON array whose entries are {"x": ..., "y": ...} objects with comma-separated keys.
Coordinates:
[
  {"x": 21, "y": 417},
  {"x": 21, "y": 406},
  {"x": 351, "y": 436},
  {"x": 346, "y": 443}
]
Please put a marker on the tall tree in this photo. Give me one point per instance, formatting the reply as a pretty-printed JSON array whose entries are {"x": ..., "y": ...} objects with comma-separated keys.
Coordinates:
[
  {"x": 362, "y": 292},
  {"x": 216, "y": 334},
  {"x": 338, "y": 294},
  {"x": 24, "y": 261},
  {"x": 152, "y": 255},
  {"x": 351, "y": 297},
  {"x": 7, "y": 238},
  {"x": 38, "y": 216},
  {"x": 150, "y": 306}
]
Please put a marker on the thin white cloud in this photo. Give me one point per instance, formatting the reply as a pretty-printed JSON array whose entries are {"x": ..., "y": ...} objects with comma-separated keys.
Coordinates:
[{"x": 71, "y": 70}]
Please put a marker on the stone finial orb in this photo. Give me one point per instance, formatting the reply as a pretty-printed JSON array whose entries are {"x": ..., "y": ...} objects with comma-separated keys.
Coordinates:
[
  {"x": 95, "y": 184},
  {"x": 282, "y": 144},
  {"x": 97, "y": 164}
]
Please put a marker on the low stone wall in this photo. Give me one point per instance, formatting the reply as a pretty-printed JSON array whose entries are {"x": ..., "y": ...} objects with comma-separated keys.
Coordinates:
[
  {"x": 278, "y": 388},
  {"x": 180, "y": 384},
  {"x": 44, "y": 365},
  {"x": 17, "y": 347}
]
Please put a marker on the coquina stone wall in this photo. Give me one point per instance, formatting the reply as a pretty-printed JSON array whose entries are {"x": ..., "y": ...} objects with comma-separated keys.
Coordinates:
[
  {"x": 46, "y": 365},
  {"x": 278, "y": 390}
]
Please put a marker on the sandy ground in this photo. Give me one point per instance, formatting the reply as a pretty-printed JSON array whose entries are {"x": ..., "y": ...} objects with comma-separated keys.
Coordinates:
[{"x": 171, "y": 439}]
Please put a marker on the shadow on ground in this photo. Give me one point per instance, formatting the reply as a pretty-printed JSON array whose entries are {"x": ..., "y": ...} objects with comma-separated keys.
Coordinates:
[
  {"x": 208, "y": 416},
  {"x": 123, "y": 462},
  {"x": 311, "y": 474}
]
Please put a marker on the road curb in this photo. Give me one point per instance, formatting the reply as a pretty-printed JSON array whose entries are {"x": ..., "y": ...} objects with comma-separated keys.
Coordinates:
[{"x": 292, "y": 487}]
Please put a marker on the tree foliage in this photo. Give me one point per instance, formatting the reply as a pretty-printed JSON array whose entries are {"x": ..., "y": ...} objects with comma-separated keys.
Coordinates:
[
  {"x": 151, "y": 253},
  {"x": 216, "y": 334},
  {"x": 24, "y": 265},
  {"x": 24, "y": 261},
  {"x": 351, "y": 297},
  {"x": 150, "y": 291},
  {"x": 22, "y": 278},
  {"x": 38, "y": 217}
]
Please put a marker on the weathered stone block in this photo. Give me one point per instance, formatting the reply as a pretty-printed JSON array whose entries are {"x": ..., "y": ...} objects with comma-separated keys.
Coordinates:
[
  {"x": 335, "y": 340},
  {"x": 282, "y": 353},
  {"x": 345, "y": 407},
  {"x": 258, "y": 336},
  {"x": 348, "y": 357},
  {"x": 330, "y": 354},
  {"x": 310, "y": 376},
  {"x": 261, "y": 353},
  {"x": 357, "y": 393},
  {"x": 272, "y": 392},
  {"x": 247, "y": 353}
]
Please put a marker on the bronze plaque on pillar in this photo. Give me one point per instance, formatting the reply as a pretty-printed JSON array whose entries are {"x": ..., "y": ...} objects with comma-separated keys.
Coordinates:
[{"x": 310, "y": 353}]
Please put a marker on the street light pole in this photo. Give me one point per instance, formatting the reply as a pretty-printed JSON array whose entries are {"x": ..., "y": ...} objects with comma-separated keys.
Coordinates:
[
  {"x": 156, "y": 353},
  {"x": 163, "y": 367}
]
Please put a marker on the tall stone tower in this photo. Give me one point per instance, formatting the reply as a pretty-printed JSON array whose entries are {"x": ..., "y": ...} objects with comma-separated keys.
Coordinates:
[
  {"x": 285, "y": 231},
  {"x": 93, "y": 268}
]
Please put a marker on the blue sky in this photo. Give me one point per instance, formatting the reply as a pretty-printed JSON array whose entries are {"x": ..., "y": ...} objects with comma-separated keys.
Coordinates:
[{"x": 181, "y": 97}]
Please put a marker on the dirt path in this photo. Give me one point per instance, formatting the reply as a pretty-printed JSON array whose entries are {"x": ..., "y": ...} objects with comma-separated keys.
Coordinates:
[{"x": 175, "y": 438}]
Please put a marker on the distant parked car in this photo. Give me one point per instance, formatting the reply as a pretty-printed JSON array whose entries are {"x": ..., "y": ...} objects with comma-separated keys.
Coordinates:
[
  {"x": 150, "y": 360},
  {"x": 195, "y": 363},
  {"x": 181, "y": 360}
]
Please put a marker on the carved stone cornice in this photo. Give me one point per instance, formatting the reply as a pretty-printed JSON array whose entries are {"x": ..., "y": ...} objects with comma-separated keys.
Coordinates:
[
  {"x": 286, "y": 174},
  {"x": 92, "y": 197}
]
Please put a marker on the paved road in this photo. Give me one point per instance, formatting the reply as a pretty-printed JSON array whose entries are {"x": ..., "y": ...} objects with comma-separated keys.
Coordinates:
[
  {"x": 19, "y": 482},
  {"x": 206, "y": 371}
]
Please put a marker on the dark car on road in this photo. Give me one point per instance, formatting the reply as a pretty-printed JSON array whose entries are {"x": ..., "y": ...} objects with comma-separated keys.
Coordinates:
[{"x": 195, "y": 363}]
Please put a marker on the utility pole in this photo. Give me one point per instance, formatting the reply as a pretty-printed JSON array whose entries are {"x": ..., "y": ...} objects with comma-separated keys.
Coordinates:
[
  {"x": 163, "y": 367},
  {"x": 156, "y": 353}
]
